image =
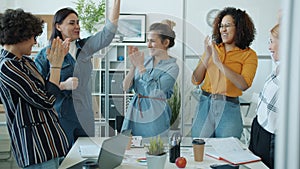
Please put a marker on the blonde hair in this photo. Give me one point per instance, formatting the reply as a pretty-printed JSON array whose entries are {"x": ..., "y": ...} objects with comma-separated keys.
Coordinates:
[
  {"x": 275, "y": 31},
  {"x": 170, "y": 23}
]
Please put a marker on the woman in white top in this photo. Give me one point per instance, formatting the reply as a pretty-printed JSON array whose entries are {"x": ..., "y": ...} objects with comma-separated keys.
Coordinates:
[{"x": 264, "y": 126}]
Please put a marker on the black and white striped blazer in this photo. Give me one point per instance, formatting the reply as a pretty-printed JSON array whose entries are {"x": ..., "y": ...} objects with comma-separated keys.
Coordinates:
[{"x": 35, "y": 132}]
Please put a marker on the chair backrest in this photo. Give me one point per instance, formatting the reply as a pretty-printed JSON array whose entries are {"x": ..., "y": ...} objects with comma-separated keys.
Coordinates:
[
  {"x": 250, "y": 113},
  {"x": 253, "y": 105},
  {"x": 119, "y": 123}
]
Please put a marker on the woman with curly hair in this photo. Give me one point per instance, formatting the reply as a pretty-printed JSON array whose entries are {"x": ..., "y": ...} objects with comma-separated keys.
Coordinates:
[
  {"x": 226, "y": 68},
  {"x": 38, "y": 141}
]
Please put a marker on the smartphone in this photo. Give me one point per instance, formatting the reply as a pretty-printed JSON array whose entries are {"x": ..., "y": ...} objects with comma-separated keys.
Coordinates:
[{"x": 228, "y": 166}]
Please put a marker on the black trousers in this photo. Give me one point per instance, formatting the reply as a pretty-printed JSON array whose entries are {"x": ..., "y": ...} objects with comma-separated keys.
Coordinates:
[{"x": 262, "y": 143}]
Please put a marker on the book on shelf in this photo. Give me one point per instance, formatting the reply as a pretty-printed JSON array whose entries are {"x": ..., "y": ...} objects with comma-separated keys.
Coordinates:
[{"x": 230, "y": 150}]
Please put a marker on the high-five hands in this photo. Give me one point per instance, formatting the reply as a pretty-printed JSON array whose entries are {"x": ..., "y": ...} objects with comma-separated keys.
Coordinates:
[{"x": 58, "y": 51}]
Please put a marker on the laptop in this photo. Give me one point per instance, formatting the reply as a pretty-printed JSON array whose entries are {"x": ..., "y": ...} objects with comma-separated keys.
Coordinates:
[
  {"x": 89, "y": 151},
  {"x": 111, "y": 153}
]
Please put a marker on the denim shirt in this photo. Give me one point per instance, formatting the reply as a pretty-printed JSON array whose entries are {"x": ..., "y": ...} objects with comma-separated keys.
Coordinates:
[
  {"x": 77, "y": 104},
  {"x": 148, "y": 113}
]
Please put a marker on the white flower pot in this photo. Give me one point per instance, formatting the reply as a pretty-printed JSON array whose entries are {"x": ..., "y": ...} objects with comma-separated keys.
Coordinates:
[{"x": 156, "y": 162}]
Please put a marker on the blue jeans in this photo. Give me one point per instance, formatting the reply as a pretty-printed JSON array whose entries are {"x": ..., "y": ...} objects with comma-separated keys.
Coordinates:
[
  {"x": 51, "y": 164},
  {"x": 217, "y": 118}
]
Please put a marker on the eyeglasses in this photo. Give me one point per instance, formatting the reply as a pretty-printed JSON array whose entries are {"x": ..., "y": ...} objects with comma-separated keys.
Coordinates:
[{"x": 227, "y": 25}]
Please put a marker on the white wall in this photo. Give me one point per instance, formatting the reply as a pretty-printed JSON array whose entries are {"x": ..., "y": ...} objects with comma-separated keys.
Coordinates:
[
  {"x": 3, "y": 5},
  {"x": 37, "y": 6}
]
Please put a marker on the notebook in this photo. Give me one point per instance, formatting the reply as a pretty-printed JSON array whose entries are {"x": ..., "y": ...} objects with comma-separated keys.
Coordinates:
[
  {"x": 111, "y": 153},
  {"x": 229, "y": 149}
]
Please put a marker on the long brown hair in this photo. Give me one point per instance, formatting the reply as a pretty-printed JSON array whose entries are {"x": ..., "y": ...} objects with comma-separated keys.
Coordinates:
[{"x": 59, "y": 17}]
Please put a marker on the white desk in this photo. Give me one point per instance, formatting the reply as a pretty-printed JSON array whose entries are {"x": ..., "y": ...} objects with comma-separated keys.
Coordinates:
[{"x": 131, "y": 156}]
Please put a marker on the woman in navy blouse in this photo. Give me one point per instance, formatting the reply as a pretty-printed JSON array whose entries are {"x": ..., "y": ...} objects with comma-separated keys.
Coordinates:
[{"x": 37, "y": 138}]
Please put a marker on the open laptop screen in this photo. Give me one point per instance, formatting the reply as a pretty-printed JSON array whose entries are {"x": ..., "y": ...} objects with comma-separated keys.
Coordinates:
[{"x": 111, "y": 154}]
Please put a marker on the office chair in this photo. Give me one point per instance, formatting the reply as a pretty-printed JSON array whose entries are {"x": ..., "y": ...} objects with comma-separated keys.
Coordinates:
[
  {"x": 118, "y": 124},
  {"x": 248, "y": 117}
]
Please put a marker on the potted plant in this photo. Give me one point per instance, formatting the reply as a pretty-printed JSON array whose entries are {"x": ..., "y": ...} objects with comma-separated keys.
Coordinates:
[
  {"x": 156, "y": 155},
  {"x": 90, "y": 14},
  {"x": 175, "y": 104}
]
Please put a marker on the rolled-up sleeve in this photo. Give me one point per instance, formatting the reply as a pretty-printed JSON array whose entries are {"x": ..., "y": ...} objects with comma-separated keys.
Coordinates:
[{"x": 249, "y": 68}]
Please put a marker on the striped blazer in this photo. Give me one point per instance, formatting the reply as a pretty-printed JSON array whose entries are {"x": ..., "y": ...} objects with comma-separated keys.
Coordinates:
[{"x": 36, "y": 136}]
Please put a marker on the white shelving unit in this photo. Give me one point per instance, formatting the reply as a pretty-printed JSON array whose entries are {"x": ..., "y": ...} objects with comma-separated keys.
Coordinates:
[{"x": 110, "y": 67}]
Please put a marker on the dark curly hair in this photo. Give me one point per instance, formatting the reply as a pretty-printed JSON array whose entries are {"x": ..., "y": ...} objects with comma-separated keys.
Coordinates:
[
  {"x": 164, "y": 32},
  {"x": 18, "y": 26},
  {"x": 245, "y": 30},
  {"x": 59, "y": 17}
]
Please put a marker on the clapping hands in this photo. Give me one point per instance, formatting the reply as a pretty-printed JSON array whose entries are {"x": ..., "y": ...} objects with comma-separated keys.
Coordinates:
[
  {"x": 136, "y": 57},
  {"x": 211, "y": 51},
  {"x": 58, "y": 51},
  {"x": 208, "y": 46}
]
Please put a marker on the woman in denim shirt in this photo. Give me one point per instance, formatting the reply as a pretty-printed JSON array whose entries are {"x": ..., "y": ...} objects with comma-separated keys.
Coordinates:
[
  {"x": 74, "y": 104},
  {"x": 152, "y": 79}
]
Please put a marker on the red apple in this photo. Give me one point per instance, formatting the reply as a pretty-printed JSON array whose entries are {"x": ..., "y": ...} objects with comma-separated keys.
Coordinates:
[{"x": 180, "y": 162}]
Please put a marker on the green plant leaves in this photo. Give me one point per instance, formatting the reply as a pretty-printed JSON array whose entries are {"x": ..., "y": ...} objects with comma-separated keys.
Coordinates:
[
  {"x": 175, "y": 104},
  {"x": 156, "y": 146},
  {"x": 90, "y": 14}
]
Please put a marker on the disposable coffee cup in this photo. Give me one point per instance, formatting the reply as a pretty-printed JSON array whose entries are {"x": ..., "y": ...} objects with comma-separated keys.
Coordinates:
[
  {"x": 129, "y": 143},
  {"x": 198, "y": 148}
]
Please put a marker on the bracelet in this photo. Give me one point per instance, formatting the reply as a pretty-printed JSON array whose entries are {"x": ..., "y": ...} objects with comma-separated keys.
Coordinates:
[{"x": 55, "y": 67}]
